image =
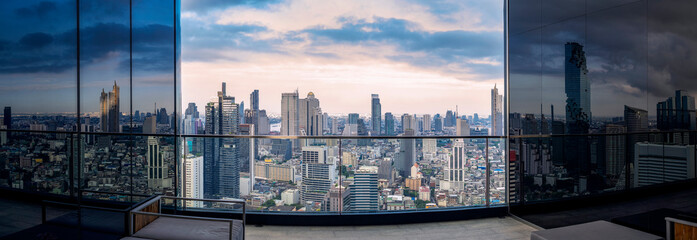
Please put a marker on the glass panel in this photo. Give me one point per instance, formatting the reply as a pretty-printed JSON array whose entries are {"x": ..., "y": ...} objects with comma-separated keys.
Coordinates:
[
  {"x": 153, "y": 66},
  {"x": 497, "y": 171},
  {"x": 106, "y": 166},
  {"x": 38, "y": 65},
  {"x": 153, "y": 165},
  {"x": 104, "y": 70},
  {"x": 36, "y": 162}
]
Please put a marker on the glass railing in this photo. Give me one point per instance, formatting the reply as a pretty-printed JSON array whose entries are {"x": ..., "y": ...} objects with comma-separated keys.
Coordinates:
[
  {"x": 342, "y": 174},
  {"x": 322, "y": 174}
]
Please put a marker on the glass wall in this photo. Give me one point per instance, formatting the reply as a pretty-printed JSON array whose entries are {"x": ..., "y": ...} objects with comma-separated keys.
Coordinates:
[{"x": 615, "y": 73}]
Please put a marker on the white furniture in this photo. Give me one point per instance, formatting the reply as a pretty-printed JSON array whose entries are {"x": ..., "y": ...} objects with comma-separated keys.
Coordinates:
[{"x": 592, "y": 231}]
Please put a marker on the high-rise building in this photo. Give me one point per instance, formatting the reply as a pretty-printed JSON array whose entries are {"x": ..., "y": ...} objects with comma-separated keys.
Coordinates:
[
  {"x": 317, "y": 174},
  {"x": 661, "y": 163},
  {"x": 578, "y": 110},
  {"x": 157, "y": 170},
  {"x": 335, "y": 125},
  {"x": 635, "y": 120},
  {"x": 408, "y": 122},
  {"x": 364, "y": 190},
  {"x": 254, "y": 100},
  {"x": 193, "y": 180},
  {"x": 449, "y": 119},
  {"x": 353, "y": 118},
  {"x": 162, "y": 117},
  {"x": 389, "y": 124},
  {"x": 427, "y": 123},
  {"x": 221, "y": 162},
  {"x": 310, "y": 116},
  {"x": 274, "y": 172},
  {"x": 437, "y": 123},
  {"x": 150, "y": 125},
  {"x": 385, "y": 170},
  {"x": 455, "y": 169},
  {"x": 430, "y": 145},
  {"x": 110, "y": 110},
  {"x": 406, "y": 157},
  {"x": 676, "y": 113},
  {"x": 191, "y": 110},
  {"x": 462, "y": 127},
  {"x": 289, "y": 114},
  {"x": 496, "y": 113},
  {"x": 247, "y": 151},
  {"x": 336, "y": 198},
  {"x": 7, "y": 118},
  {"x": 376, "y": 114}
]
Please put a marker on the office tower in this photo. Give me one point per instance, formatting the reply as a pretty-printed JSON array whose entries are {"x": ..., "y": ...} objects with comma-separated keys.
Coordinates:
[
  {"x": 449, "y": 119},
  {"x": 406, "y": 157},
  {"x": 325, "y": 122},
  {"x": 221, "y": 163},
  {"x": 455, "y": 169},
  {"x": 389, "y": 124},
  {"x": 289, "y": 114},
  {"x": 310, "y": 116},
  {"x": 437, "y": 123},
  {"x": 364, "y": 190},
  {"x": 676, "y": 113},
  {"x": 635, "y": 120},
  {"x": 193, "y": 180},
  {"x": 353, "y": 118},
  {"x": 247, "y": 151},
  {"x": 612, "y": 150},
  {"x": 475, "y": 119},
  {"x": 275, "y": 172},
  {"x": 336, "y": 198},
  {"x": 229, "y": 167},
  {"x": 578, "y": 111},
  {"x": 430, "y": 145},
  {"x": 162, "y": 117},
  {"x": 317, "y": 174},
  {"x": 150, "y": 125},
  {"x": 496, "y": 113},
  {"x": 427, "y": 123},
  {"x": 462, "y": 127},
  {"x": 335, "y": 126},
  {"x": 136, "y": 116},
  {"x": 376, "y": 114},
  {"x": 282, "y": 148},
  {"x": 408, "y": 122},
  {"x": 7, "y": 118},
  {"x": 254, "y": 100},
  {"x": 661, "y": 163},
  {"x": 192, "y": 110},
  {"x": 385, "y": 170},
  {"x": 157, "y": 170},
  {"x": 263, "y": 125},
  {"x": 110, "y": 110}
]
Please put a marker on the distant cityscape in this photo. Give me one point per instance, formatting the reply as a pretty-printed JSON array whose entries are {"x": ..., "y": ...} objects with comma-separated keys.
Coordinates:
[{"x": 361, "y": 174}]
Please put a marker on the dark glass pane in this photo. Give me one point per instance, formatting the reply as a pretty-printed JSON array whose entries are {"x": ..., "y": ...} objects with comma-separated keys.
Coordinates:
[{"x": 38, "y": 65}]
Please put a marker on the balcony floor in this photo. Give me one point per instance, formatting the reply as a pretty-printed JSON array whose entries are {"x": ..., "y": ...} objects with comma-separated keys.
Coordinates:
[{"x": 17, "y": 216}]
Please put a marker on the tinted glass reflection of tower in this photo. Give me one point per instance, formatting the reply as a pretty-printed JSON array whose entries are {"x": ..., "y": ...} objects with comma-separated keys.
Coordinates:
[
  {"x": 677, "y": 114},
  {"x": 578, "y": 112},
  {"x": 110, "y": 110},
  {"x": 376, "y": 114},
  {"x": 7, "y": 118}
]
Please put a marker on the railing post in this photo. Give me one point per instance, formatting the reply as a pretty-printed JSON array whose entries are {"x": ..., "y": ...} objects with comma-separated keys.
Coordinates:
[{"x": 488, "y": 175}]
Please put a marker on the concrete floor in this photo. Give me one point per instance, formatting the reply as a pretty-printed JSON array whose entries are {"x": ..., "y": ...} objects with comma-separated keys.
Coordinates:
[
  {"x": 488, "y": 228},
  {"x": 16, "y": 216}
]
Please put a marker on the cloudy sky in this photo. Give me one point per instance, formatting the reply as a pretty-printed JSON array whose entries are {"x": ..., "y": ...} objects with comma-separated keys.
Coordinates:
[{"x": 420, "y": 56}]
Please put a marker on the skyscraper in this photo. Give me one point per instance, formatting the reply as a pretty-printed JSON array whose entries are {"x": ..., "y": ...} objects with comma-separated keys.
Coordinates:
[
  {"x": 462, "y": 127},
  {"x": 376, "y": 114},
  {"x": 110, "y": 110},
  {"x": 496, "y": 113},
  {"x": 221, "y": 163},
  {"x": 7, "y": 118},
  {"x": 449, "y": 119},
  {"x": 406, "y": 157},
  {"x": 317, "y": 174},
  {"x": 427, "y": 123},
  {"x": 353, "y": 118},
  {"x": 289, "y": 114},
  {"x": 193, "y": 180},
  {"x": 389, "y": 124},
  {"x": 364, "y": 189},
  {"x": 408, "y": 122},
  {"x": 437, "y": 123},
  {"x": 455, "y": 169},
  {"x": 192, "y": 110},
  {"x": 157, "y": 171},
  {"x": 254, "y": 100},
  {"x": 578, "y": 111},
  {"x": 676, "y": 113},
  {"x": 310, "y": 116}
]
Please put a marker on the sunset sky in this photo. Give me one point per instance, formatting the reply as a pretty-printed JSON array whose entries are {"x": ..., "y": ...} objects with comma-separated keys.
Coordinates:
[{"x": 420, "y": 56}]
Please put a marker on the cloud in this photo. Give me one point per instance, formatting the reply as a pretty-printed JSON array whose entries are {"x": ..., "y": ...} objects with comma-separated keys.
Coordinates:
[
  {"x": 39, "y": 10},
  {"x": 36, "y": 40},
  {"x": 212, "y": 5}
]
